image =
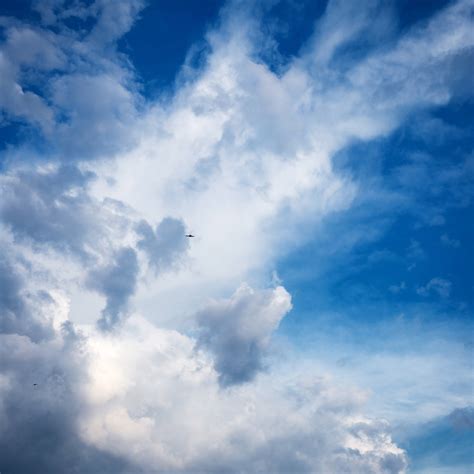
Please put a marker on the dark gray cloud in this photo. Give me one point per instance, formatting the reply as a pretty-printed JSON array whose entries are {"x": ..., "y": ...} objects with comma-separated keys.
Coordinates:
[
  {"x": 117, "y": 282},
  {"x": 165, "y": 245},
  {"x": 50, "y": 207},
  {"x": 237, "y": 331},
  {"x": 39, "y": 423},
  {"x": 16, "y": 313}
]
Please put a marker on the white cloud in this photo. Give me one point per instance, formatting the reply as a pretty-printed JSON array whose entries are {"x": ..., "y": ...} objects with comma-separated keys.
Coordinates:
[
  {"x": 243, "y": 155},
  {"x": 440, "y": 286},
  {"x": 153, "y": 399}
]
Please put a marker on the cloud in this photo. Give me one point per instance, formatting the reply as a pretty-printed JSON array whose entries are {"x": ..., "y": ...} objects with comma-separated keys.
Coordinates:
[
  {"x": 43, "y": 366},
  {"x": 440, "y": 286},
  {"x": 117, "y": 282},
  {"x": 144, "y": 397},
  {"x": 446, "y": 240},
  {"x": 155, "y": 400},
  {"x": 41, "y": 406},
  {"x": 113, "y": 20},
  {"x": 26, "y": 49},
  {"x": 245, "y": 156},
  {"x": 237, "y": 331},
  {"x": 50, "y": 206},
  {"x": 395, "y": 289},
  {"x": 165, "y": 245},
  {"x": 71, "y": 83},
  {"x": 16, "y": 311}
]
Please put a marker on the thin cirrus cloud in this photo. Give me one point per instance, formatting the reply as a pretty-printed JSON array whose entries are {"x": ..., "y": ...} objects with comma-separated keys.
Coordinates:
[{"x": 177, "y": 372}]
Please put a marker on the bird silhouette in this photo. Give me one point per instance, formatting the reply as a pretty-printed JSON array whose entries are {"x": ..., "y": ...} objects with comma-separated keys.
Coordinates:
[{"x": 189, "y": 235}]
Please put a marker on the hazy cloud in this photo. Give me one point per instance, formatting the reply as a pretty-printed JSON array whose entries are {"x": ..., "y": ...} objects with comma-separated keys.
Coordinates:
[
  {"x": 440, "y": 286},
  {"x": 446, "y": 240}
]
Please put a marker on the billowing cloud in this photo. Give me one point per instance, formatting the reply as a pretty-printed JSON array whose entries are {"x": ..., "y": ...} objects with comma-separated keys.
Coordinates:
[
  {"x": 16, "y": 311},
  {"x": 117, "y": 282},
  {"x": 165, "y": 245},
  {"x": 153, "y": 399},
  {"x": 41, "y": 406},
  {"x": 91, "y": 92},
  {"x": 49, "y": 206},
  {"x": 237, "y": 330}
]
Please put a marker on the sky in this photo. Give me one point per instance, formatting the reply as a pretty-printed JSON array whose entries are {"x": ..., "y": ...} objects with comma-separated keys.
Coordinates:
[{"x": 320, "y": 319}]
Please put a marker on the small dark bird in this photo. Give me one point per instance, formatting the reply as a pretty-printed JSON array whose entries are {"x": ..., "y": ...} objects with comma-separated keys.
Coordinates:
[
  {"x": 189, "y": 235},
  {"x": 35, "y": 384}
]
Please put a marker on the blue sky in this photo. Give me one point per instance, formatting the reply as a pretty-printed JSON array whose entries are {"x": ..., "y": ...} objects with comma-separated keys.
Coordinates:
[{"x": 321, "y": 318}]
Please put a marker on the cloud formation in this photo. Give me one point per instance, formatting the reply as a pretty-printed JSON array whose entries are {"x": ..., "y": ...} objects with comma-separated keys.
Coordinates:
[
  {"x": 440, "y": 286},
  {"x": 41, "y": 406},
  {"x": 16, "y": 313},
  {"x": 237, "y": 331},
  {"x": 244, "y": 155},
  {"x": 154, "y": 400},
  {"x": 50, "y": 206},
  {"x": 165, "y": 245},
  {"x": 117, "y": 282}
]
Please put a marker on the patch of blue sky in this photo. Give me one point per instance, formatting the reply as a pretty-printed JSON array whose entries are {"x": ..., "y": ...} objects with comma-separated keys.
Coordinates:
[
  {"x": 444, "y": 444},
  {"x": 162, "y": 37},
  {"x": 414, "y": 225},
  {"x": 383, "y": 293},
  {"x": 291, "y": 25}
]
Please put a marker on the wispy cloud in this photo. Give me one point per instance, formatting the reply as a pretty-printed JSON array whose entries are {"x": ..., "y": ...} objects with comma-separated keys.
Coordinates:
[{"x": 437, "y": 285}]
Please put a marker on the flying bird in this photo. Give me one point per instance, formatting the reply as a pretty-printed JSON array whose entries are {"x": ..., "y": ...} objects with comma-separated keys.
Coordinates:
[{"x": 189, "y": 235}]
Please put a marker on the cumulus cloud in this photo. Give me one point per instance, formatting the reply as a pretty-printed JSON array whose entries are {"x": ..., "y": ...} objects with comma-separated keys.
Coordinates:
[
  {"x": 49, "y": 206},
  {"x": 90, "y": 93},
  {"x": 26, "y": 49},
  {"x": 237, "y": 331},
  {"x": 146, "y": 398},
  {"x": 117, "y": 282},
  {"x": 41, "y": 406},
  {"x": 16, "y": 312},
  {"x": 165, "y": 245},
  {"x": 153, "y": 399}
]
